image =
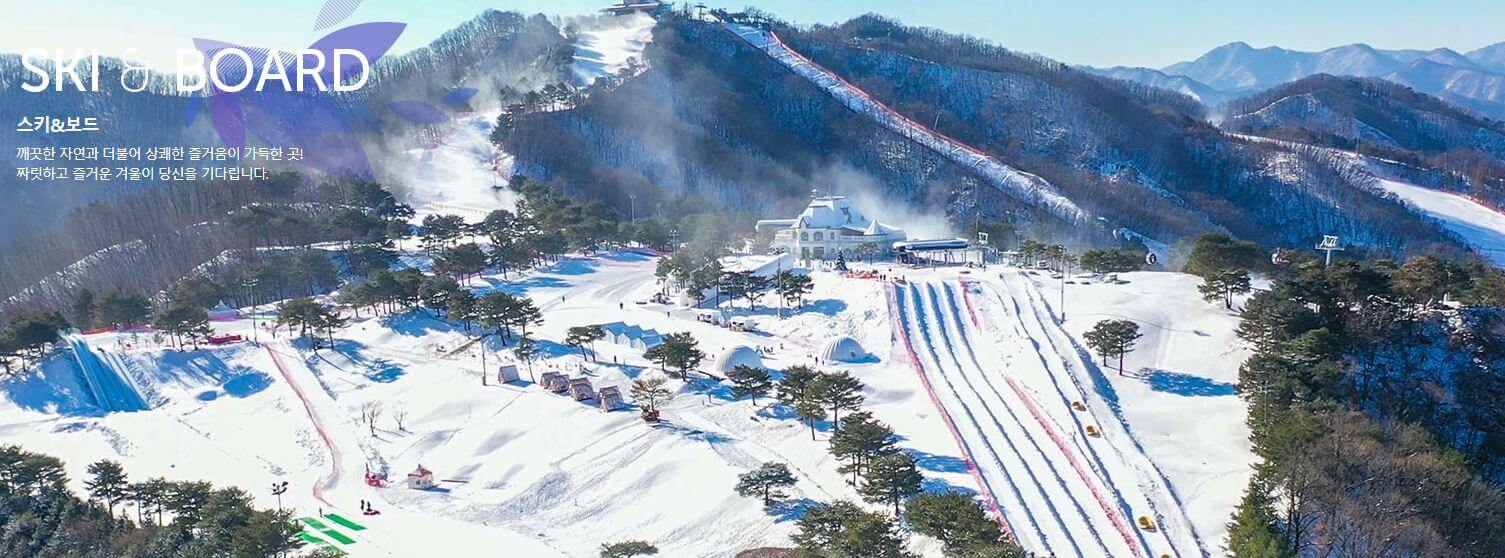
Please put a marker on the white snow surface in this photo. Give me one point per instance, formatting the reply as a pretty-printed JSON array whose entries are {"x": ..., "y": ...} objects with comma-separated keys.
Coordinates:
[
  {"x": 1479, "y": 225},
  {"x": 605, "y": 43},
  {"x": 458, "y": 171},
  {"x": 540, "y": 474}
]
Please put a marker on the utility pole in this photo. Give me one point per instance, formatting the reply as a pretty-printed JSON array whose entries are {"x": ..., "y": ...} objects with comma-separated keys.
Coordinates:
[
  {"x": 632, "y": 206},
  {"x": 1065, "y": 271}
]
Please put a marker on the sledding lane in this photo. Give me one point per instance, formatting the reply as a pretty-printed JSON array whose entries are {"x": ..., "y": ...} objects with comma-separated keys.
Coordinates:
[
  {"x": 1053, "y": 501},
  {"x": 1139, "y": 486}
]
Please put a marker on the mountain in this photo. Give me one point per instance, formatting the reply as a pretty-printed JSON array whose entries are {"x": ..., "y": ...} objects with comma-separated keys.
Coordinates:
[
  {"x": 1156, "y": 78},
  {"x": 1475, "y": 80},
  {"x": 1491, "y": 57},
  {"x": 714, "y": 120},
  {"x": 1236, "y": 67},
  {"x": 1370, "y": 111}
]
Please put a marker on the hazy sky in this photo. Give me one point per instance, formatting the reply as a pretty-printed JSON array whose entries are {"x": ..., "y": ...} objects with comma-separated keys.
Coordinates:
[{"x": 1096, "y": 32}]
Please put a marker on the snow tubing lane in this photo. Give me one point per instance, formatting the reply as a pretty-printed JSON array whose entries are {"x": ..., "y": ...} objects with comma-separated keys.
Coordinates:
[
  {"x": 914, "y": 359},
  {"x": 334, "y": 454},
  {"x": 1113, "y": 515}
]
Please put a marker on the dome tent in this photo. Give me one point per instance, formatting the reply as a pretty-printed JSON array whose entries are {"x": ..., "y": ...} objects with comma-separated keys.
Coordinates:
[
  {"x": 842, "y": 349},
  {"x": 740, "y": 355}
]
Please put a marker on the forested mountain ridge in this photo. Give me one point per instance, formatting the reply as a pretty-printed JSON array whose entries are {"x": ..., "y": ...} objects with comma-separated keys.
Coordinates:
[
  {"x": 1475, "y": 79},
  {"x": 1108, "y": 143},
  {"x": 1430, "y": 141}
]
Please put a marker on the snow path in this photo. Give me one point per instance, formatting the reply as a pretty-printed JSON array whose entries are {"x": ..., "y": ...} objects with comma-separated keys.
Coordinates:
[
  {"x": 1058, "y": 508},
  {"x": 458, "y": 172},
  {"x": 1479, "y": 225},
  {"x": 328, "y": 479},
  {"x": 1013, "y": 182},
  {"x": 1117, "y": 453}
]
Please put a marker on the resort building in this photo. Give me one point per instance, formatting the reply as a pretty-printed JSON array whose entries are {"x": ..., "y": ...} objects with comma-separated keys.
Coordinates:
[{"x": 829, "y": 225}]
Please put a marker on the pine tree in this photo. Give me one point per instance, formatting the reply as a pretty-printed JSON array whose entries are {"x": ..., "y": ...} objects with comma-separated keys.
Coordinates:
[
  {"x": 627, "y": 549},
  {"x": 678, "y": 351},
  {"x": 749, "y": 381},
  {"x": 795, "y": 381},
  {"x": 836, "y": 391},
  {"x": 1254, "y": 531},
  {"x": 107, "y": 482},
  {"x": 765, "y": 482},
  {"x": 961, "y": 524},
  {"x": 842, "y": 529},
  {"x": 809, "y": 410},
  {"x": 1112, "y": 338},
  {"x": 860, "y": 440},
  {"x": 841, "y": 261},
  {"x": 891, "y": 479},
  {"x": 527, "y": 351},
  {"x": 650, "y": 392}
]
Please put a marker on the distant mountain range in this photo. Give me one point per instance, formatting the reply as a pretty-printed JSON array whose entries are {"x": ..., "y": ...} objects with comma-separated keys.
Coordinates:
[{"x": 1475, "y": 80}]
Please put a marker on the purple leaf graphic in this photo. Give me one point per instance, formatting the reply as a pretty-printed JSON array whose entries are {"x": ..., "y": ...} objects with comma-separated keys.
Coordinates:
[
  {"x": 459, "y": 96},
  {"x": 333, "y": 12},
  {"x": 229, "y": 120},
  {"x": 371, "y": 39},
  {"x": 418, "y": 112}
]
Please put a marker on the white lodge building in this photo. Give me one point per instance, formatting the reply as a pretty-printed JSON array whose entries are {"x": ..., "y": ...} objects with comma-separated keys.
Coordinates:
[{"x": 828, "y": 225}]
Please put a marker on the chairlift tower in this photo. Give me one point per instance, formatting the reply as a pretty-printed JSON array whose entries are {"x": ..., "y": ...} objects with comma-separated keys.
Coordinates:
[{"x": 1329, "y": 245}]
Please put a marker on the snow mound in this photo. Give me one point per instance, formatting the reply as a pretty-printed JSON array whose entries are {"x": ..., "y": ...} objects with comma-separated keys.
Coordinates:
[{"x": 842, "y": 349}]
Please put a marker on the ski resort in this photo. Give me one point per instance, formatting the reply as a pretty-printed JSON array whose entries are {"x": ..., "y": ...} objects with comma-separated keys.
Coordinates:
[{"x": 668, "y": 279}]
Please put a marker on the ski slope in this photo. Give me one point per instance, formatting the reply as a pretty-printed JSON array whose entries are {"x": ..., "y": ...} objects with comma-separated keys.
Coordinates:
[
  {"x": 998, "y": 373},
  {"x": 1480, "y": 226},
  {"x": 1013, "y": 182},
  {"x": 459, "y": 171},
  {"x": 543, "y": 475},
  {"x": 605, "y": 44}
]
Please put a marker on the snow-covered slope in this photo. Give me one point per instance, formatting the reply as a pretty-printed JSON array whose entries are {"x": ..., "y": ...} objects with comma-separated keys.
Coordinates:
[
  {"x": 1481, "y": 226},
  {"x": 606, "y": 43},
  {"x": 458, "y": 172},
  {"x": 543, "y": 475}
]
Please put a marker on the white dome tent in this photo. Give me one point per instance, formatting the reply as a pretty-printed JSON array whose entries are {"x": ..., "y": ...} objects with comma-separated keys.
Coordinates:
[
  {"x": 842, "y": 349},
  {"x": 740, "y": 355}
]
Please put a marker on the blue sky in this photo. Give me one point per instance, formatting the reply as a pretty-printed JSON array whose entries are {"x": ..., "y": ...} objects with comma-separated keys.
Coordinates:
[{"x": 1097, "y": 32}]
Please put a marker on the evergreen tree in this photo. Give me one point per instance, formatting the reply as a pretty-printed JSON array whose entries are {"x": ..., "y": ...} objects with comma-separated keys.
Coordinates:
[
  {"x": 1254, "y": 531},
  {"x": 678, "y": 352},
  {"x": 118, "y": 309},
  {"x": 961, "y": 524},
  {"x": 794, "y": 383},
  {"x": 650, "y": 392},
  {"x": 748, "y": 381},
  {"x": 627, "y": 549},
  {"x": 809, "y": 411},
  {"x": 107, "y": 482},
  {"x": 1113, "y": 338},
  {"x": 1223, "y": 284},
  {"x": 84, "y": 308},
  {"x": 837, "y": 392},
  {"x": 841, "y": 261},
  {"x": 891, "y": 479},
  {"x": 859, "y": 441},
  {"x": 580, "y": 337},
  {"x": 527, "y": 351},
  {"x": 843, "y": 530},
  {"x": 183, "y": 321},
  {"x": 765, "y": 482}
]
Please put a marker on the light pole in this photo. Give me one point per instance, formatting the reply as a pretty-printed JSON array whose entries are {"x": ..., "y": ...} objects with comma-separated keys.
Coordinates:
[
  {"x": 250, "y": 284},
  {"x": 632, "y": 206}
]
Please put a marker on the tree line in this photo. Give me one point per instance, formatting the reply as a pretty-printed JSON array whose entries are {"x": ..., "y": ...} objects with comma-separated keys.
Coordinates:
[{"x": 41, "y": 518}]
